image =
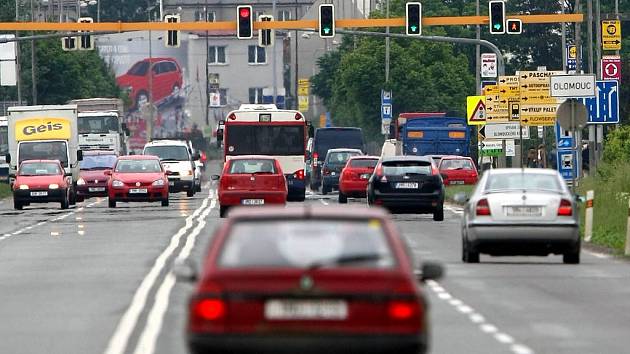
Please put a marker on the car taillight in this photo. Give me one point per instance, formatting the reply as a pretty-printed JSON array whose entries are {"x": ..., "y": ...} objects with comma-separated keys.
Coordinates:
[
  {"x": 209, "y": 309},
  {"x": 403, "y": 310},
  {"x": 299, "y": 174},
  {"x": 434, "y": 170},
  {"x": 315, "y": 157},
  {"x": 565, "y": 208},
  {"x": 483, "y": 208},
  {"x": 378, "y": 171}
]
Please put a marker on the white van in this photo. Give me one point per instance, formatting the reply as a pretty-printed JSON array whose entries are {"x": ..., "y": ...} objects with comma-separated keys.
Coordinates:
[{"x": 175, "y": 156}]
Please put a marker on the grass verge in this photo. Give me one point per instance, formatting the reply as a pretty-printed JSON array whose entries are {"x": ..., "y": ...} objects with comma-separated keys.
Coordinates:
[
  {"x": 611, "y": 185},
  {"x": 5, "y": 190},
  {"x": 452, "y": 190}
]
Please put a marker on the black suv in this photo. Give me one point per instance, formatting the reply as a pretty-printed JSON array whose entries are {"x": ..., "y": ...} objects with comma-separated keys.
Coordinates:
[{"x": 325, "y": 139}]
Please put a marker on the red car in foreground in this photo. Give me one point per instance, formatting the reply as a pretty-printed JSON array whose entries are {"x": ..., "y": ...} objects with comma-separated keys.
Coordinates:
[
  {"x": 355, "y": 176},
  {"x": 40, "y": 181},
  {"x": 308, "y": 280},
  {"x": 137, "y": 178},
  {"x": 92, "y": 178},
  {"x": 251, "y": 180},
  {"x": 458, "y": 170}
]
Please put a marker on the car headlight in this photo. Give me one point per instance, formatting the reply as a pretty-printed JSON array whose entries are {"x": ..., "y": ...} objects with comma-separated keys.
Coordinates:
[
  {"x": 81, "y": 182},
  {"x": 53, "y": 186},
  {"x": 159, "y": 182},
  {"x": 23, "y": 186},
  {"x": 117, "y": 184}
]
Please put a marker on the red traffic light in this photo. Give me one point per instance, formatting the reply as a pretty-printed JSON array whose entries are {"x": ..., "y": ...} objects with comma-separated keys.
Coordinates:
[{"x": 244, "y": 12}]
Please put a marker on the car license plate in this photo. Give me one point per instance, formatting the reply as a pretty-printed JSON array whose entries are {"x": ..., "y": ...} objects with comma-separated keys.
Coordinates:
[
  {"x": 306, "y": 310},
  {"x": 365, "y": 176},
  {"x": 406, "y": 185},
  {"x": 455, "y": 182},
  {"x": 138, "y": 190},
  {"x": 253, "y": 202},
  {"x": 171, "y": 183},
  {"x": 524, "y": 211},
  {"x": 96, "y": 189},
  {"x": 39, "y": 194}
]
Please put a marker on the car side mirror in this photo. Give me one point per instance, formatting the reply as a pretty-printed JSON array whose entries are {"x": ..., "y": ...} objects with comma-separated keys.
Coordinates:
[
  {"x": 108, "y": 172},
  {"x": 430, "y": 271},
  {"x": 460, "y": 198},
  {"x": 7, "y": 158},
  {"x": 185, "y": 271},
  {"x": 79, "y": 155},
  {"x": 215, "y": 177}
]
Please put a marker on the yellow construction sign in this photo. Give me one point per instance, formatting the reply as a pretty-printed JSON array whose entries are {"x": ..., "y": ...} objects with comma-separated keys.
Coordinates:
[
  {"x": 476, "y": 110},
  {"x": 611, "y": 35}
]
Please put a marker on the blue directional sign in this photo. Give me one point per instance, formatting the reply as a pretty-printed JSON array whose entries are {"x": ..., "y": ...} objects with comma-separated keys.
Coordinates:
[
  {"x": 567, "y": 164},
  {"x": 571, "y": 56},
  {"x": 386, "y": 105},
  {"x": 564, "y": 138},
  {"x": 604, "y": 107}
]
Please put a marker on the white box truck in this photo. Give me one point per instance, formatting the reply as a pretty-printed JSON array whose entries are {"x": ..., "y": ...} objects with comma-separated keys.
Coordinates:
[
  {"x": 45, "y": 133},
  {"x": 101, "y": 125}
]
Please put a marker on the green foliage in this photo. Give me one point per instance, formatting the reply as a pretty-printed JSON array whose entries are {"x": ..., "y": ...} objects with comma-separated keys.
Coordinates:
[
  {"x": 5, "y": 190},
  {"x": 617, "y": 145},
  {"x": 451, "y": 191}
]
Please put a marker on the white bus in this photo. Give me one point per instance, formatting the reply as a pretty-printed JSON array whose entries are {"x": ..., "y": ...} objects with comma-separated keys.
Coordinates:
[{"x": 266, "y": 130}]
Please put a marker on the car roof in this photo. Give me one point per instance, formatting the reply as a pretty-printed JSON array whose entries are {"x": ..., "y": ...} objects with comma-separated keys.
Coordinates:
[
  {"x": 343, "y": 150},
  {"x": 41, "y": 161},
  {"x": 167, "y": 142},
  {"x": 455, "y": 157},
  {"x": 499, "y": 171},
  {"x": 407, "y": 158},
  {"x": 364, "y": 157},
  {"x": 308, "y": 212},
  {"x": 138, "y": 157},
  {"x": 250, "y": 157},
  {"x": 98, "y": 152}
]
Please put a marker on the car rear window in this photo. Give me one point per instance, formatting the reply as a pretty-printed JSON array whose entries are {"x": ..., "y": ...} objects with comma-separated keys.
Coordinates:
[
  {"x": 401, "y": 168},
  {"x": 306, "y": 243},
  {"x": 252, "y": 166},
  {"x": 523, "y": 181},
  {"x": 456, "y": 164},
  {"x": 363, "y": 163},
  {"x": 340, "y": 157}
]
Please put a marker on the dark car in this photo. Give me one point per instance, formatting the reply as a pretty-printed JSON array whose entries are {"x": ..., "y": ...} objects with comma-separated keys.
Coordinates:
[
  {"x": 408, "y": 184},
  {"x": 336, "y": 160},
  {"x": 92, "y": 178},
  {"x": 308, "y": 280},
  {"x": 325, "y": 139}
]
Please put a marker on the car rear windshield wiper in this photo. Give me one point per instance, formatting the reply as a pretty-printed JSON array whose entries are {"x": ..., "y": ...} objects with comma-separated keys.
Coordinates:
[{"x": 345, "y": 260}]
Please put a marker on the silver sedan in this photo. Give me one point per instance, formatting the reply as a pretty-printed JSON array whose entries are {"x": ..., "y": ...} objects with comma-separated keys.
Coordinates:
[{"x": 521, "y": 212}]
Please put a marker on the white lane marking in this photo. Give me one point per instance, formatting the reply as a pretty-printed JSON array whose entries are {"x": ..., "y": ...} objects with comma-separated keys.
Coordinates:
[
  {"x": 81, "y": 232},
  {"x": 323, "y": 202},
  {"x": 148, "y": 338},
  {"x": 455, "y": 210},
  {"x": 479, "y": 320},
  {"x": 54, "y": 233},
  {"x": 120, "y": 339},
  {"x": 597, "y": 254}
]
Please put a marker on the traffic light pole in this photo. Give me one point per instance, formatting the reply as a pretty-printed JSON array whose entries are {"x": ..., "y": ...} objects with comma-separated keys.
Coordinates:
[{"x": 473, "y": 41}]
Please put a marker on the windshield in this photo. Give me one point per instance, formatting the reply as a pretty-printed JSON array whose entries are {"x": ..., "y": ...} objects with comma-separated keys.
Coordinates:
[
  {"x": 43, "y": 150},
  {"x": 523, "y": 181},
  {"x": 363, "y": 163},
  {"x": 138, "y": 166},
  {"x": 298, "y": 243},
  {"x": 139, "y": 69},
  {"x": 340, "y": 157},
  {"x": 39, "y": 169},
  {"x": 169, "y": 152},
  {"x": 98, "y": 125},
  {"x": 401, "y": 168},
  {"x": 280, "y": 140},
  {"x": 252, "y": 166},
  {"x": 97, "y": 162},
  {"x": 456, "y": 164},
  {"x": 4, "y": 141},
  {"x": 335, "y": 138}
]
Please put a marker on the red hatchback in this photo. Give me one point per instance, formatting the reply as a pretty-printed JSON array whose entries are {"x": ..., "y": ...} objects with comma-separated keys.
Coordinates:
[
  {"x": 308, "y": 280},
  {"x": 92, "y": 178},
  {"x": 137, "y": 178},
  {"x": 355, "y": 176},
  {"x": 251, "y": 180},
  {"x": 40, "y": 181},
  {"x": 458, "y": 170}
]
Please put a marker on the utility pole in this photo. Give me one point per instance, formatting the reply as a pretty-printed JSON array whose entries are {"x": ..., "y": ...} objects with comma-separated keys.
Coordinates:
[
  {"x": 149, "y": 124},
  {"x": 387, "y": 44},
  {"x": 205, "y": 10},
  {"x": 273, "y": 48},
  {"x": 17, "y": 56},
  {"x": 33, "y": 63},
  {"x": 589, "y": 34},
  {"x": 599, "y": 137},
  {"x": 295, "y": 97},
  {"x": 477, "y": 53}
]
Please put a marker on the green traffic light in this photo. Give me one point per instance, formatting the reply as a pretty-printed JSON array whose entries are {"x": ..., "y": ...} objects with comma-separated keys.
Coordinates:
[
  {"x": 497, "y": 26},
  {"x": 326, "y": 30}
]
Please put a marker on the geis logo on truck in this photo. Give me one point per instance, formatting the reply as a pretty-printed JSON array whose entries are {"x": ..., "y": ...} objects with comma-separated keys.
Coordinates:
[{"x": 43, "y": 129}]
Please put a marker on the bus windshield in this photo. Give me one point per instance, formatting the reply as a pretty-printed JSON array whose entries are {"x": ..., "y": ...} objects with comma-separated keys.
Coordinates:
[{"x": 279, "y": 140}]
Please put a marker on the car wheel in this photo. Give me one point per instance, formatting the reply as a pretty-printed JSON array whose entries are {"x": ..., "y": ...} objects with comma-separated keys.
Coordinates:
[
  {"x": 343, "y": 199},
  {"x": 223, "y": 211},
  {"x": 572, "y": 257},
  {"x": 198, "y": 188},
  {"x": 165, "y": 202},
  {"x": 72, "y": 199},
  {"x": 190, "y": 193},
  {"x": 65, "y": 203},
  {"x": 111, "y": 203},
  {"x": 438, "y": 214},
  {"x": 17, "y": 205},
  {"x": 468, "y": 255},
  {"x": 325, "y": 189}
]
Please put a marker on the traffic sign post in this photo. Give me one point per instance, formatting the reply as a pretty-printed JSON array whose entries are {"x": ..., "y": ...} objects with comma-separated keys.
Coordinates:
[
  {"x": 611, "y": 35},
  {"x": 488, "y": 65},
  {"x": 537, "y": 107},
  {"x": 604, "y": 107},
  {"x": 476, "y": 110},
  {"x": 572, "y": 86},
  {"x": 611, "y": 67},
  {"x": 386, "y": 111},
  {"x": 571, "y": 56}
]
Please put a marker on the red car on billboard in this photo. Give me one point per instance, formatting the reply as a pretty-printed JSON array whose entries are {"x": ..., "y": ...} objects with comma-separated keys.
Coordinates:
[{"x": 166, "y": 80}]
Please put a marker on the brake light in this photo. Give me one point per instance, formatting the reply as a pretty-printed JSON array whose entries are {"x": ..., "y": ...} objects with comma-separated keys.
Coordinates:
[
  {"x": 232, "y": 116},
  {"x": 378, "y": 171},
  {"x": 315, "y": 157},
  {"x": 565, "y": 208},
  {"x": 434, "y": 170},
  {"x": 403, "y": 310},
  {"x": 299, "y": 174},
  {"x": 209, "y": 309},
  {"x": 483, "y": 208}
]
